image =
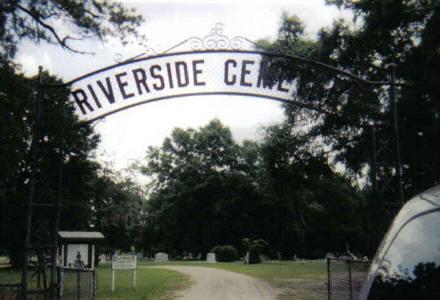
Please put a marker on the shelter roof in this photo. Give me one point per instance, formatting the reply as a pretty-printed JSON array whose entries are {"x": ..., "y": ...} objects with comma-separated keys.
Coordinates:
[{"x": 80, "y": 235}]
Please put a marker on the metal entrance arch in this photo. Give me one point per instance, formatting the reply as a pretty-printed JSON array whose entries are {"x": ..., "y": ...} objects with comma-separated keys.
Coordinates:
[
  {"x": 184, "y": 74},
  {"x": 214, "y": 66}
]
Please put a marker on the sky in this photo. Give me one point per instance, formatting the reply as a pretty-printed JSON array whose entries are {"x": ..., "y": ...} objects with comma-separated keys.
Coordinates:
[{"x": 125, "y": 136}]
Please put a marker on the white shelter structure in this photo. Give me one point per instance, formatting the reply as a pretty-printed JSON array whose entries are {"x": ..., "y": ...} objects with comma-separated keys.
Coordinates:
[{"x": 77, "y": 249}]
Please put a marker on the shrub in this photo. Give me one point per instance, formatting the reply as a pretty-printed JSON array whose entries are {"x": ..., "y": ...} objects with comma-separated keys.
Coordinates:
[
  {"x": 225, "y": 253},
  {"x": 254, "y": 254},
  {"x": 255, "y": 248}
]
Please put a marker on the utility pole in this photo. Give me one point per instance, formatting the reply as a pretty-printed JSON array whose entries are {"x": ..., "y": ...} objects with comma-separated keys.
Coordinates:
[
  {"x": 54, "y": 284},
  {"x": 373, "y": 170},
  {"x": 33, "y": 164},
  {"x": 393, "y": 107}
]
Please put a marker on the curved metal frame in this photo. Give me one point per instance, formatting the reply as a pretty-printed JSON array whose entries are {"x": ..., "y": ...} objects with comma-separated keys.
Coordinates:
[{"x": 262, "y": 53}]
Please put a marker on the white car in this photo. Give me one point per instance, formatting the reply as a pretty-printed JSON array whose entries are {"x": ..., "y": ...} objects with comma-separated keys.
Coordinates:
[{"x": 407, "y": 263}]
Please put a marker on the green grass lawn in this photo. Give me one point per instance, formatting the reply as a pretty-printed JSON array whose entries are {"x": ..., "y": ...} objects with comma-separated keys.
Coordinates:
[
  {"x": 151, "y": 284},
  {"x": 10, "y": 275},
  {"x": 295, "y": 280}
]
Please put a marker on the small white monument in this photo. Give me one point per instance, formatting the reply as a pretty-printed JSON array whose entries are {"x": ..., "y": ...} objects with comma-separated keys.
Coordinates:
[
  {"x": 210, "y": 258},
  {"x": 246, "y": 258},
  {"x": 160, "y": 257},
  {"x": 102, "y": 258}
]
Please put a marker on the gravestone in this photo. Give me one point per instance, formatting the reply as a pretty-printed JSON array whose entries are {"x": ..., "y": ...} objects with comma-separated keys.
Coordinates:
[
  {"x": 246, "y": 258},
  {"x": 263, "y": 258},
  {"x": 161, "y": 257},
  {"x": 210, "y": 258},
  {"x": 102, "y": 258}
]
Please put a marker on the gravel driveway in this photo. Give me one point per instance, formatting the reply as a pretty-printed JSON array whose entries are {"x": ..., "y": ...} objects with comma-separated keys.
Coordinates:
[{"x": 215, "y": 284}]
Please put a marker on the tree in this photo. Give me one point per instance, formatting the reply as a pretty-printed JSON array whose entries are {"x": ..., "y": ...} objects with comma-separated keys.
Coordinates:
[
  {"x": 313, "y": 208},
  {"x": 118, "y": 206},
  {"x": 91, "y": 196},
  {"x": 41, "y": 20},
  {"x": 404, "y": 33},
  {"x": 200, "y": 194},
  {"x": 392, "y": 32},
  {"x": 399, "y": 33},
  {"x": 46, "y": 20},
  {"x": 206, "y": 190},
  {"x": 59, "y": 129}
]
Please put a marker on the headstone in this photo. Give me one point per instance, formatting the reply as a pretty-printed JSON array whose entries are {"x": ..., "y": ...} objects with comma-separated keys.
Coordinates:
[
  {"x": 161, "y": 257},
  {"x": 140, "y": 256},
  {"x": 329, "y": 255},
  {"x": 246, "y": 258},
  {"x": 210, "y": 258},
  {"x": 102, "y": 258}
]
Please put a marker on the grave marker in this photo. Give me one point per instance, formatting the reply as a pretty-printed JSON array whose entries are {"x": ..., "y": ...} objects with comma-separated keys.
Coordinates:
[
  {"x": 210, "y": 258},
  {"x": 161, "y": 257}
]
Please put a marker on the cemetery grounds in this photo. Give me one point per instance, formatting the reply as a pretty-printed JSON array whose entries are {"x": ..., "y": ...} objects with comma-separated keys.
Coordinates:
[{"x": 299, "y": 280}]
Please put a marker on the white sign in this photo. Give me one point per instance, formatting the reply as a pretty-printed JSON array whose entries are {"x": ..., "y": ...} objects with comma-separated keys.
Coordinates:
[
  {"x": 175, "y": 75},
  {"x": 124, "y": 262}
]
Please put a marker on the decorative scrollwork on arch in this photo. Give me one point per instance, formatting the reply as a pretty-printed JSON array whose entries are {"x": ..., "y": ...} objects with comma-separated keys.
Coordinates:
[
  {"x": 216, "y": 40},
  {"x": 118, "y": 58},
  {"x": 149, "y": 51}
]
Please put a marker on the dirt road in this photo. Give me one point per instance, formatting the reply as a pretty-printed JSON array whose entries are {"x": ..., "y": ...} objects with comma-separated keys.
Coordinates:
[{"x": 215, "y": 284}]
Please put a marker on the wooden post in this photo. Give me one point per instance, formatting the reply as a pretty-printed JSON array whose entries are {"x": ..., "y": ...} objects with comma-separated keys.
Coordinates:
[
  {"x": 329, "y": 287},
  {"x": 78, "y": 285},
  {"x": 133, "y": 279},
  {"x": 61, "y": 281},
  {"x": 113, "y": 280},
  {"x": 350, "y": 286},
  {"x": 94, "y": 285}
]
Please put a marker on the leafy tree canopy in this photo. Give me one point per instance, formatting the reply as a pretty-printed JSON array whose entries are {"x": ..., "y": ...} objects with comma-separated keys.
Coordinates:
[
  {"x": 388, "y": 32},
  {"x": 207, "y": 190},
  {"x": 62, "y": 140},
  {"x": 64, "y": 23}
]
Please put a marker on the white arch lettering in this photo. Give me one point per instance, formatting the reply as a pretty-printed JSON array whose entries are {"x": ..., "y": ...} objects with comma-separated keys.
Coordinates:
[{"x": 173, "y": 75}]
